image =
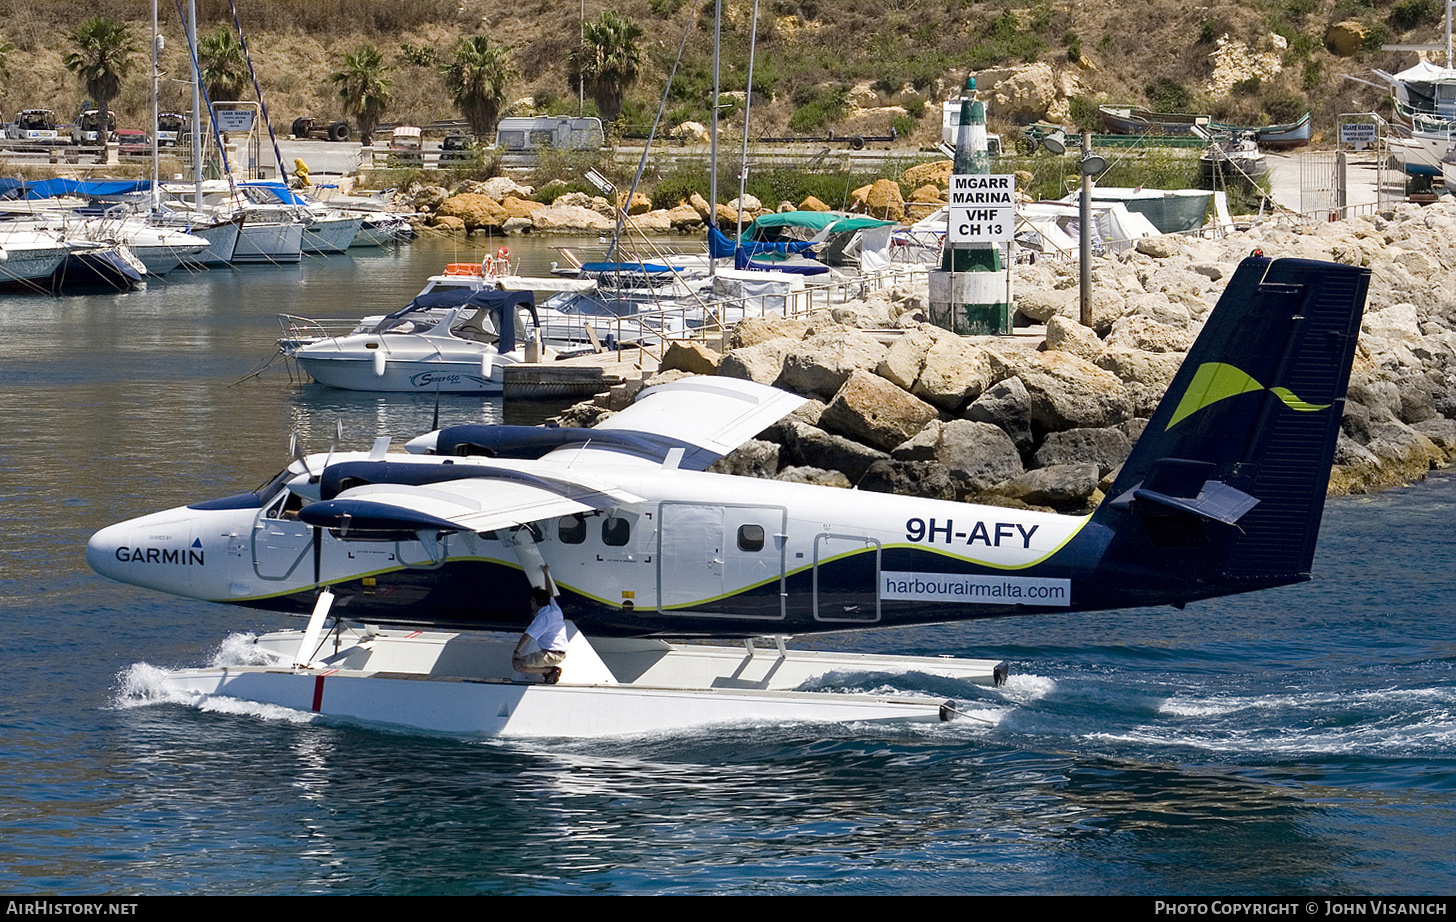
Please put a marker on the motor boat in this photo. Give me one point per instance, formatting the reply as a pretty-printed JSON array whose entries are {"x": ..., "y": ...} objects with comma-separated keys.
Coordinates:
[{"x": 451, "y": 341}]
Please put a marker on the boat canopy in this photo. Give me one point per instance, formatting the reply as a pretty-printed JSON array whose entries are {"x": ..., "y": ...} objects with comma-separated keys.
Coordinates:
[
  {"x": 271, "y": 192},
  {"x": 53, "y": 188},
  {"x": 502, "y": 304}
]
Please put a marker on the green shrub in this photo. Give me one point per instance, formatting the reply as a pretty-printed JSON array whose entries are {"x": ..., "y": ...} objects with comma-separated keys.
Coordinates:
[
  {"x": 1285, "y": 107},
  {"x": 1408, "y": 14},
  {"x": 1167, "y": 95},
  {"x": 1083, "y": 112},
  {"x": 1378, "y": 35},
  {"x": 819, "y": 109}
]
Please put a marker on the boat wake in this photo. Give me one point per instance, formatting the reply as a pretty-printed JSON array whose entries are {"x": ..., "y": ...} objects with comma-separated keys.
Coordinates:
[
  {"x": 1388, "y": 723},
  {"x": 142, "y": 684}
]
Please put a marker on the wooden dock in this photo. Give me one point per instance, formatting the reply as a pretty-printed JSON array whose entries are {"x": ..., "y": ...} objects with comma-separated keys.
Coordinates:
[{"x": 577, "y": 378}]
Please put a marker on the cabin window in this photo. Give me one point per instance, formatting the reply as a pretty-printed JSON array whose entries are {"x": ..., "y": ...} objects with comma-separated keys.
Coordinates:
[
  {"x": 542, "y": 138},
  {"x": 616, "y": 531},
  {"x": 286, "y": 507},
  {"x": 750, "y": 537},
  {"x": 571, "y": 529}
]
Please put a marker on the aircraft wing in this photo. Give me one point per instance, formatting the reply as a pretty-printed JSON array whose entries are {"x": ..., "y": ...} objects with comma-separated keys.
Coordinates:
[
  {"x": 479, "y": 501},
  {"x": 705, "y": 417}
]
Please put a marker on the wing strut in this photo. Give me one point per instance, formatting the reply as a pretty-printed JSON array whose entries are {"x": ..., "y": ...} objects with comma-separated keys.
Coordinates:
[{"x": 532, "y": 563}]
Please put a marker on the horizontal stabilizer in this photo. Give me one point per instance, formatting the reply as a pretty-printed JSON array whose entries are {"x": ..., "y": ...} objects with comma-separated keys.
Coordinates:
[{"x": 1217, "y": 502}]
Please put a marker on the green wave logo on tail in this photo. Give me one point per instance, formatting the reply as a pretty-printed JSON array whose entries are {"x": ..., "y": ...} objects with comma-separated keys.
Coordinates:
[{"x": 1215, "y": 381}]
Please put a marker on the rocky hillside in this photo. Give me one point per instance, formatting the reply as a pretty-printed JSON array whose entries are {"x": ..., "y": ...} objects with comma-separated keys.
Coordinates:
[{"x": 854, "y": 66}]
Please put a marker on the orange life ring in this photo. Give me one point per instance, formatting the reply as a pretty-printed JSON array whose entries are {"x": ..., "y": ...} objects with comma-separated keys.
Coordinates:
[{"x": 503, "y": 255}]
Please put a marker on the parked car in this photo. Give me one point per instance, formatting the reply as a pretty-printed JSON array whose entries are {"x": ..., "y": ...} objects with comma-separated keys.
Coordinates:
[
  {"x": 93, "y": 128},
  {"x": 172, "y": 127},
  {"x": 35, "y": 125},
  {"x": 405, "y": 147},
  {"x": 133, "y": 143},
  {"x": 458, "y": 149}
]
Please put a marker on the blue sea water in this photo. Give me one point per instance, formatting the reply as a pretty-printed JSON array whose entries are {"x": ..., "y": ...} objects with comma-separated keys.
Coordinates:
[{"x": 1301, "y": 740}]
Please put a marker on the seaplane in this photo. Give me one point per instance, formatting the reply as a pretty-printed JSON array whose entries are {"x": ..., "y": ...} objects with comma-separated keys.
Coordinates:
[{"x": 414, "y": 567}]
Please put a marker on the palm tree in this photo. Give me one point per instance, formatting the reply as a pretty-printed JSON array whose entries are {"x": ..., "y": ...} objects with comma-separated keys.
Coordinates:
[
  {"x": 222, "y": 65},
  {"x": 102, "y": 59},
  {"x": 608, "y": 60},
  {"x": 476, "y": 78},
  {"x": 364, "y": 88}
]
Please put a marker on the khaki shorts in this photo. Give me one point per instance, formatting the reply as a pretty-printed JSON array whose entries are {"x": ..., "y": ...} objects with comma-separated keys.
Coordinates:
[{"x": 539, "y": 661}]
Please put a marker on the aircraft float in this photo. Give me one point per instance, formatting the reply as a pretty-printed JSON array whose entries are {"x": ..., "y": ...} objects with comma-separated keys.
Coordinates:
[{"x": 415, "y": 567}]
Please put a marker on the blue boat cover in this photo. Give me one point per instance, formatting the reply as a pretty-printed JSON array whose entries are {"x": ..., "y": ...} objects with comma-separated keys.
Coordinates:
[
  {"x": 500, "y": 303},
  {"x": 720, "y": 247},
  {"x": 51, "y": 188}
]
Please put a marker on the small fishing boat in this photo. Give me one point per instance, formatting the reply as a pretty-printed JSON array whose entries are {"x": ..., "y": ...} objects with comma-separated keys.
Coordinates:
[
  {"x": 1284, "y": 137},
  {"x": 1139, "y": 120}
]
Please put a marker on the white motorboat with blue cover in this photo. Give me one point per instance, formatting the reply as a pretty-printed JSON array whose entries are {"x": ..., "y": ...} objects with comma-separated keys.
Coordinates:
[
  {"x": 1222, "y": 494},
  {"x": 450, "y": 341}
]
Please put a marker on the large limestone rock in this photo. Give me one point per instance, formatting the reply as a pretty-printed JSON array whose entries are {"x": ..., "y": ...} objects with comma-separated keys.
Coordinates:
[
  {"x": 1068, "y": 393},
  {"x": 1346, "y": 38},
  {"x": 692, "y": 357},
  {"x": 571, "y": 219},
  {"x": 872, "y": 410},
  {"x": 809, "y": 446},
  {"x": 905, "y": 358},
  {"x": 754, "y": 458},
  {"x": 883, "y": 199},
  {"x": 909, "y": 478},
  {"x": 1023, "y": 94},
  {"x": 1104, "y": 448},
  {"x": 955, "y": 373},
  {"x": 936, "y": 173},
  {"x": 755, "y": 330},
  {"x": 1148, "y": 335},
  {"x": 821, "y": 364},
  {"x": 1063, "y": 334},
  {"x": 762, "y": 362},
  {"x": 1007, "y": 405},
  {"x": 1059, "y": 486},
  {"x": 474, "y": 210},
  {"x": 977, "y": 456}
]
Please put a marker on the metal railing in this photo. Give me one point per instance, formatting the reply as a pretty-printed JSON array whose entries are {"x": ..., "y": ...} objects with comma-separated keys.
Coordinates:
[{"x": 709, "y": 319}]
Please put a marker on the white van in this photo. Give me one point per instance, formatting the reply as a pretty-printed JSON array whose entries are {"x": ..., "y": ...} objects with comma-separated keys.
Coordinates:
[{"x": 550, "y": 132}]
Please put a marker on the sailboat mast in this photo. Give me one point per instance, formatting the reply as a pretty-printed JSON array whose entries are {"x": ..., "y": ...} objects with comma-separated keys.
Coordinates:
[
  {"x": 156, "y": 114},
  {"x": 747, "y": 108},
  {"x": 196, "y": 106},
  {"x": 713, "y": 146}
]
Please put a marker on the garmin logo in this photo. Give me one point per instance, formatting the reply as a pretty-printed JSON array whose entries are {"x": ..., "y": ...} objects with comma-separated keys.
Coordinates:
[{"x": 176, "y": 556}]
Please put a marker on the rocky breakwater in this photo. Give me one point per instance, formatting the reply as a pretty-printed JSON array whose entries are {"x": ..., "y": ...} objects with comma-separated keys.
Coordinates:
[
  {"x": 503, "y": 206},
  {"x": 1044, "y": 418}
]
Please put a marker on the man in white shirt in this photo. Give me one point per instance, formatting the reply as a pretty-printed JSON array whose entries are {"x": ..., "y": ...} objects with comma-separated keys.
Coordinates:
[{"x": 548, "y": 631}]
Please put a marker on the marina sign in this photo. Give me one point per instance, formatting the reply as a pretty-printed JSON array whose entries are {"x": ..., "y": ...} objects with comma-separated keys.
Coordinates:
[{"x": 982, "y": 208}]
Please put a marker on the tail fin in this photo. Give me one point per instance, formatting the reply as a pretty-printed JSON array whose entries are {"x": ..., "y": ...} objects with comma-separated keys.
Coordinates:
[{"x": 1224, "y": 491}]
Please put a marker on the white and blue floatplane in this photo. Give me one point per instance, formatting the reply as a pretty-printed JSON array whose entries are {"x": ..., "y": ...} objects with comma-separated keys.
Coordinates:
[{"x": 415, "y": 567}]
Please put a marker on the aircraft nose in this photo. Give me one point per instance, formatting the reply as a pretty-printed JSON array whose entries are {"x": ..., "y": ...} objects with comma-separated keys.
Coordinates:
[
  {"x": 104, "y": 550},
  {"x": 157, "y": 551}
]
